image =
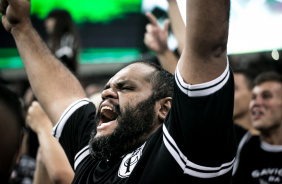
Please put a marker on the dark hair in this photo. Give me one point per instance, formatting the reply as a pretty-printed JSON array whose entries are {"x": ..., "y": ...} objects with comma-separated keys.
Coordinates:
[
  {"x": 64, "y": 24},
  {"x": 161, "y": 80},
  {"x": 268, "y": 76},
  {"x": 249, "y": 75}
]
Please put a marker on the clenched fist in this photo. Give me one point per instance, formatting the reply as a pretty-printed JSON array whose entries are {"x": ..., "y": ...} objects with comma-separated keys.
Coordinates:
[{"x": 15, "y": 14}]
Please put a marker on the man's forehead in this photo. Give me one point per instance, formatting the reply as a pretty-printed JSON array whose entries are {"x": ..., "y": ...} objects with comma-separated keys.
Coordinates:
[
  {"x": 268, "y": 86},
  {"x": 132, "y": 72},
  {"x": 137, "y": 66}
]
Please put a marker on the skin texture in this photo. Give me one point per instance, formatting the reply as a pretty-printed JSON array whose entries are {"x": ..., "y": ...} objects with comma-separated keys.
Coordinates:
[
  {"x": 127, "y": 86},
  {"x": 266, "y": 111},
  {"x": 204, "y": 57}
]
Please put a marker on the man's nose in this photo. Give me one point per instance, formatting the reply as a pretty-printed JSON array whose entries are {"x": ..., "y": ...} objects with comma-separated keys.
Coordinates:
[
  {"x": 257, "y": 101},
  {"x": 109, "y": 93}
]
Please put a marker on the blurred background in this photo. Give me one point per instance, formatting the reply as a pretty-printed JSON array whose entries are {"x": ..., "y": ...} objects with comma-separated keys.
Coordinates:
[{"x": 111, "y": 36}]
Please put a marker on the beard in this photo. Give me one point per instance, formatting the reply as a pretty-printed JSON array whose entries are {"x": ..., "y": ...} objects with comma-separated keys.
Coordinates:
[{"x": 134, "y": 127}]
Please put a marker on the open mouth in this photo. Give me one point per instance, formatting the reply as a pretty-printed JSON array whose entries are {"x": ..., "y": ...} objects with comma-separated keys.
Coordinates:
[
  {"x": 256, "y": 114},
  {"x": 107, "y": 114}
]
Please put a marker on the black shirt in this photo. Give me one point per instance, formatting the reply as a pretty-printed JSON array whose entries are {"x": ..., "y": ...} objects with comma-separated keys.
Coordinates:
[
  {"x": 257, "y": 162},
  {"x": 196, "y": 143}
]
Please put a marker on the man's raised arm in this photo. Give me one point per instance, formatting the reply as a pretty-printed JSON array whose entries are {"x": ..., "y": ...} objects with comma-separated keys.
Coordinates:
[
  {"x": 53, "y": 84},
  {"x": 204, "y": 57}
]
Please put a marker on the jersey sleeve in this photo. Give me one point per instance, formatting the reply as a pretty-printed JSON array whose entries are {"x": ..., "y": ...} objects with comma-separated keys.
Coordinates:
[
  {"x": 74, "y": 128},
  {"x": 198, "y": 131}
]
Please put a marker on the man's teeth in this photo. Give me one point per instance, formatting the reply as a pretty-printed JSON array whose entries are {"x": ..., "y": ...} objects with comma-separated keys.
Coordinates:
[
  {"x": 106, "y": 113},
  {"x": 256, "y": 113},
  {"x": 106, "y": 107}
]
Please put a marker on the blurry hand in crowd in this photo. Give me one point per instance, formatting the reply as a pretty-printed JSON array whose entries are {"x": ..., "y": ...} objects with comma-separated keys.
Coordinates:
[
  {"x": 37, "y": 119},
  {"x": 52, "y": 162},
  {"x": 156, "y": 37}
]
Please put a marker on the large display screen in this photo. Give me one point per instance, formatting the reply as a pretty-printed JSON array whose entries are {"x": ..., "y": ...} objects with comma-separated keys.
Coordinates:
[
  {"x": 88, "y": 10},
  {"x": 110, "y": 31}
]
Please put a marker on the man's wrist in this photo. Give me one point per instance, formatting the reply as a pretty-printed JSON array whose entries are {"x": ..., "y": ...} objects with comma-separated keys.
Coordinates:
[
  {"x": 21, "y": 29},
  {"x": 43, "y": 130},
  {"x": 164, "y": 51}
]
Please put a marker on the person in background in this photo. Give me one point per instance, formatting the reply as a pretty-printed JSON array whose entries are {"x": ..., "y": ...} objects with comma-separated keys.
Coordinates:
[
  {"x": 244, "y": 79},
  {"x": 141, "y": 135},
  {"x": 63, "y": 38},
  {"x": 11, "y": 130},
  {"x": 259, "y": 156}
]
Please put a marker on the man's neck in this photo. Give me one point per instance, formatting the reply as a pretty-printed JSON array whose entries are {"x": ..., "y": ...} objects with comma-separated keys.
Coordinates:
[{"x": 273, "y": 137}]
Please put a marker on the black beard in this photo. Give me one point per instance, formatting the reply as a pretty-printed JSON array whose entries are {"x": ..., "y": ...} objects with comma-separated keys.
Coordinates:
[{"x": 134, "y": 127}]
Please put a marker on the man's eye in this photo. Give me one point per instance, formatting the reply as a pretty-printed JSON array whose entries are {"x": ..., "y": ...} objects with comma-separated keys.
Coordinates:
[
  {"x": 266, "y": 96},
  {"x": 127, "y": 88}
]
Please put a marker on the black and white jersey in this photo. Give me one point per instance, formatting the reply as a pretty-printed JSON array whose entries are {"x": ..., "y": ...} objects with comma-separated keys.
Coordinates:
[
  {"x": 257, "y": 162},
  {"x": 196, "y": 143}
]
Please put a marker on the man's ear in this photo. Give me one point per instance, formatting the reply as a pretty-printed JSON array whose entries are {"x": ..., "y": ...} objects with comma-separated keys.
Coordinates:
[{"x": 165, "y": 105}]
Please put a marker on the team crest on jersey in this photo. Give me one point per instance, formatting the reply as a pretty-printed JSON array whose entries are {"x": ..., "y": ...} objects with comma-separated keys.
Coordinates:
[{"x": 129, "y": 162}]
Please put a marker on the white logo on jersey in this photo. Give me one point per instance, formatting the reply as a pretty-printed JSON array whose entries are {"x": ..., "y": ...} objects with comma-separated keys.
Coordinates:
[{"x": 129, "y": 162}]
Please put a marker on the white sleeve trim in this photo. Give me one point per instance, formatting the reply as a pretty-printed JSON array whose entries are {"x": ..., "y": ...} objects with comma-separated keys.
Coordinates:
[
  {"x": 80, "y": 156},
  {"x": 58, "y": 128},
  {"x": 203, "y": 89},
  {"x": 243, "y": 141},
  {"x": 189, "y": 167}
]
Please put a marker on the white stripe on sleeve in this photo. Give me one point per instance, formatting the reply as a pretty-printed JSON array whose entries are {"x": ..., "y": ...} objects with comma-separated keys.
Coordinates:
[{"x": 58, "y": 128}]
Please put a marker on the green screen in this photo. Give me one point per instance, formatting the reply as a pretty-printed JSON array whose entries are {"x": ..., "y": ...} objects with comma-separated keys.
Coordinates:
[
  {"x": 92, "y": 11},
  {"x": 87, "y": 10},
  {"x": 10, "y": 57}
]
